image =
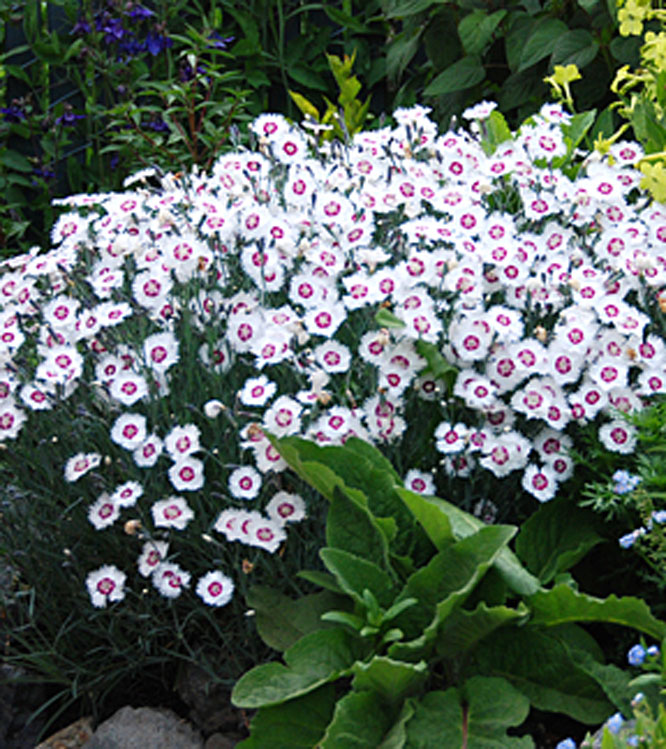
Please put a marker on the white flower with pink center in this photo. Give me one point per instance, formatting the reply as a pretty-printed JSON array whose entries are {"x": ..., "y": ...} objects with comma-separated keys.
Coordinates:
[
  {"x": 128, "y": 388},
  {"x": 129, "y": 430},
  {"x": 170, "y": 579},
  {"x": 182, "y": 441},
  {"x": 283, "y": 417},
  {"x": 286, "y": 508},
  {"x": 148, "y": 451},
  {"x": 80, "y": 464},
  {"x": 187, "y": 474},
  {"x": 11, "y": 419},
  {"x": 215, "y": 588},
  {"x": 245, "y": 483},
  {"x": 265, "y": 533},
  {"x": 451, "y": 438},
  {"x": 106, "y": 585},
  {"x": 152, "y": 555},
  {"x": 160, "y": 351},
  {"x": 540, "y": 482},
  {"x": 420, "y": 482},
  {"x": 103, "y": 512},
  {"x": 127, "y": 494},
  {"x": 172, "y": 512},
  {"x": 618, "y": 436}
]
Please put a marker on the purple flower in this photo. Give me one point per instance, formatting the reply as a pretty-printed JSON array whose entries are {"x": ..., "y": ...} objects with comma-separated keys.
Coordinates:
[
  {"x": 140, "y": 12},
  {"x": 156, "y": 43},
  {"x": 14, "y": 113},
  {"x": 219, "y": 41},
  {"x": 81, "y": 27},
  {"x": 68, "y": 118}
]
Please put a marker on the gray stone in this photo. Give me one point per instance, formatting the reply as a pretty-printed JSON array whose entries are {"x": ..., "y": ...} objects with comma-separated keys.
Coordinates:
[
  {"x": 208, "y": 699},
  {"x": 218, "y": 741},
  {"x": 144, "y": 728}
]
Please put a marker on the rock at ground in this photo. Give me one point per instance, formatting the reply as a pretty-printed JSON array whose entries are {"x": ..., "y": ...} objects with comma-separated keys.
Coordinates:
[
  {"x": 19, "y": 699},
  {"x": 72, "y": 737},
  {"x": 142, "y": 728}
]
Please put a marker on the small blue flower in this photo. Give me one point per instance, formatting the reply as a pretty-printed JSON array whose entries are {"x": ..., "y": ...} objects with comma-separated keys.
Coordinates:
[
  {"x": 566, "y": 744},
  {"x": 637, "y": 699},
  {"x": 629, "y": 539},
  {"x": 614, "y": 723},
  {"x": 653, "y": 651},
  {"x": 632, "y": 740},
  {"x": 659, "y": 516},
  {"x": 636, "y": 655}
]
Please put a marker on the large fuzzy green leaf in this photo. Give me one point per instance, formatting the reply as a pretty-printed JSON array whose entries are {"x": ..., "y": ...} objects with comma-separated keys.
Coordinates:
[
  {"x": 463, "y": 524},
  {"x": 298, "y": 724},
  {"x": 562, "y": 605},
  {"x": 351, "y": 527},
  {"x": 443, "y": 585},
  {"x": 282, "y": 621},
  {"x": 392, "y": 680},
  {"x": 360, "y": 721},
  {"x": 539, "y": 663},
  {"x": 555, "y": 537},
  {"x": 316, "y": 659},
  {"x": 354, "y": 574},
  {"x": 464, "y": 629},
  {"x": 476, "y": 716}
]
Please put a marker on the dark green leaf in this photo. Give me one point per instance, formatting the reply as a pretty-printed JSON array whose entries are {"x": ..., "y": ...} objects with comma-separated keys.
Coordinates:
[
  {"x": 476, "y": 716},
  {"x": 351, "y": 527},
  {"x": 476, "y": 30},
  {"x": 307, "y": 77},
  {"x": 463, "y": 524},
  {"x": 555, "y": 537},
  {"x": 541, "y": 41},
  {"x": 316, "y": 659},
  {"x": 561, "y": 605},
  {"x": 396, "y": 738},
  {"x": 281, "y": 621},
  {"x": 355, "y": 574},
  {"x": 463, "y": 74},
  {"x": 435, "y": 522},
  {"x": 578, "y": 126},
  {"x": 391, "y": 680},
  {"x": 540, "y": 665},
  {"x": 360, "y": 721},
  {"x": 345, "y": 20},
  {"x": 400, "y": 52},
  {"x": 577, "y": 47},
  {"x": 15, "y": 160},
  {"x": 404, "y": 8},
  {"x": 464, "y": 629},
  {"x": 298, "y": 724}
]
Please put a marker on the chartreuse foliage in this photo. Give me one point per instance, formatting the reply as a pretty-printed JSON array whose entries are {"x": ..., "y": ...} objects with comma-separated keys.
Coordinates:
[
  {"x": 349, "y": 117},
  {"x": 435, "y": 631}
]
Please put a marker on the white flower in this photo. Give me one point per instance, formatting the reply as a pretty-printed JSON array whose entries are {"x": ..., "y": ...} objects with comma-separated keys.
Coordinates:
[
  {"x": 283, "y": 417},
  {"x": 152, "y": 555},
  {"x": 103, "y": 512},
  {"x": 80, "y": 464},
  {"x": 170, "y": 579},
  {"x": 244, "y": 483},
  {"x": 257, "y": 391},
  {"x": 286, "y": 508},
  {"x": 264, "y": 533},
  {"x": 215, "y": 588},
  {"x": 187, "y": 474},
  {"x": 540, "y": 482},
  {"x": 213, "y": 408},
  {"x": 161, "y": 351},
  {"x": 618, "y": 436},
  {"x": 11, "y": 420},
  {"x": 147, "y": 453},
  {"x": 172, "y": 512},
  {"x": 129, "y": 430},
  {"x": 182, "y": 441},
  {"x": 127, "y": 388},
  {"x": 419, "y": 482},
  {"x": 106, "y": 584},
  {"x": 480, "y": 111},
  {"x": 126, "y": 494}
]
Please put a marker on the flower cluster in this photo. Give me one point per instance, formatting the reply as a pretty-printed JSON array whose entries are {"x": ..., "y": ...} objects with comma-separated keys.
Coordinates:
[{"x": 330, "y": 292}]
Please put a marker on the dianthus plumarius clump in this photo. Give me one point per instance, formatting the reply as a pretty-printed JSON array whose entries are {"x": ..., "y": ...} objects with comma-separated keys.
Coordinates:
[{"x": 480, "y": 300}]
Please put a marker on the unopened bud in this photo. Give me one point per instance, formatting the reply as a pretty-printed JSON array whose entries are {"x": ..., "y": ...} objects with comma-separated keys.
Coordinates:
[{"x": 214, "y": 408}]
